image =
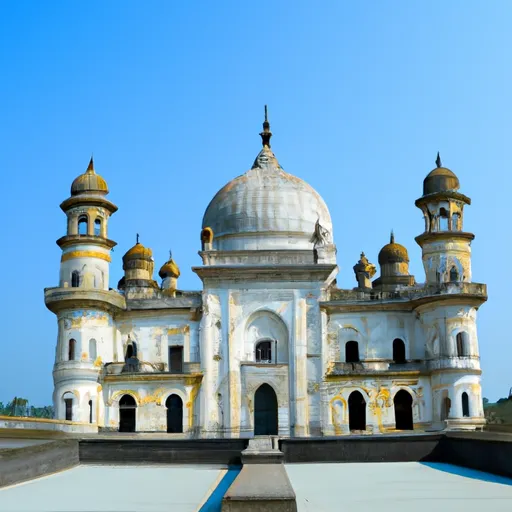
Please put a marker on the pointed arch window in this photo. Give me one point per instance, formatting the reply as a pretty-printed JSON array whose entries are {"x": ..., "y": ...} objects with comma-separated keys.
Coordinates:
[
  {"x": 93, "y": 353},
  {"x": 454, "y": 274},
  {"x": 398, "y": 351},
  {"x": 465, "y": 405},
  {"x": 75, "y": 279},
  {"x": 456, "y": 222},
  {"x": 131, "y": 350},
  {"x": 97, "y": 226},
  {"x": 462, "y": 342},
  {"x": 82, "y": 225},
  {"x": 443, "y": 219},
  {"x": 71, "y": 349},
  {"x": 68, "y": 399}
]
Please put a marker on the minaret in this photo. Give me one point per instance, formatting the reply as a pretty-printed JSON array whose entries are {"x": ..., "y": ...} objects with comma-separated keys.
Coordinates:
[
  {"x": 85, "y": 248},
  {"x": 449, "y": 321},
  {"x": 83, "y": 303},
  {"x": 446, "y": 248}
]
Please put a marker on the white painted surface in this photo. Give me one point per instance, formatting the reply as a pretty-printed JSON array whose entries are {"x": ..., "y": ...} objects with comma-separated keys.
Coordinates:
[
  {"x": 113, "y": 489},
  {"x": 397, "y": 487},
  {"x": 268, "y": 219}
]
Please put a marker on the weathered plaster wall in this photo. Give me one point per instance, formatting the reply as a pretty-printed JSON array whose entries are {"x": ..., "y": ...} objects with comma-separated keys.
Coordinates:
[
  {"x": 374, "y": 331},
  {"x": 90, "y": 260},
  {"x": 235, "y": 318}
]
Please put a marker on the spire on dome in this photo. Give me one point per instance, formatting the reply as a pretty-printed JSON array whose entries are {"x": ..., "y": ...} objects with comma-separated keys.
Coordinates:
[
  {"x": 266, "y": 133},
  {"x": 90, "y": 167},
  {"x": 392, "y": 237},
  {"x": 438, "y": 161}
]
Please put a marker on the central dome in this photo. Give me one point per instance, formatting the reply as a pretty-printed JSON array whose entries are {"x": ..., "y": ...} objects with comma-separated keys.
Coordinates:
[{"x": 266, "y": 209}]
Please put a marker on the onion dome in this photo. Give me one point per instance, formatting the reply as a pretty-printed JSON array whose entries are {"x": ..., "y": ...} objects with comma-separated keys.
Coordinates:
[
  {"x": 138, "y": 265},
  {"x": 440, "y": 179},
  {"x": 169, "y": 269},
  {"x": 88, "y": 182},
  {"x": 138, "y": 252},
  {"x": 266, "y": 208},
  {"x": 393, "y": 253}
]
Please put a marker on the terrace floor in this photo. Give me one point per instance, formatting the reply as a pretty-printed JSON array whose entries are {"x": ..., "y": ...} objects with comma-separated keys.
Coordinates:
[{"x": 358, "y": 487}]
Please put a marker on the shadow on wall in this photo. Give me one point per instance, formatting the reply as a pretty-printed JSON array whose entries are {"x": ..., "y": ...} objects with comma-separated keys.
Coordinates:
[{"x": 467, "y": 473}]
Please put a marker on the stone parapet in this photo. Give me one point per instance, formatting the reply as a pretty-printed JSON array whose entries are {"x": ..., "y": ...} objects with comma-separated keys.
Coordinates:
[{"x": 57, "y": 299}]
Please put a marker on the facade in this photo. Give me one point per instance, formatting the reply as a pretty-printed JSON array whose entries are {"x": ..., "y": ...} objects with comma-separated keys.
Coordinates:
[{"x": 270, "y": 345}]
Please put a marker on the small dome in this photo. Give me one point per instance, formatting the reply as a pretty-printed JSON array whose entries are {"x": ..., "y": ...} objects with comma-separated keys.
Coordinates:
[
  {"x": 169, "y": 269},
  {"x": 393, "y": 253},
  {"x": 440, "y": 179},
  {"x": 89, "y": 181},
  {"x": 139, "y": 252}
]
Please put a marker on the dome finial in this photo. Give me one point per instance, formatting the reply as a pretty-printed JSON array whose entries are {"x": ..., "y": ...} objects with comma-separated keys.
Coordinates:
[
  {"x": 138, "y": 238},
  {"x": 392, "y": 237},
  {"x": 266, "y": 133},
  {"x": 90, "y": 167},
  {"x": 438, "y": 160}
]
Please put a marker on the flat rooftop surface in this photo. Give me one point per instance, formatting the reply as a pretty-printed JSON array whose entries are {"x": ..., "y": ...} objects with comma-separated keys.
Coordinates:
[
  {"x": 397, "y": 487},
  {"x": 362, "y": 487},
  {"x": 114, "y": 489},
  {"x": 8, "y": 443}
]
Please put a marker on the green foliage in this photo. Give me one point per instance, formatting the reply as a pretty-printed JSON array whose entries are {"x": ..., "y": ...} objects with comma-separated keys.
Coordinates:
[
  {"x": 499, "y": 413},
  {"x": 20, "y": 407}
]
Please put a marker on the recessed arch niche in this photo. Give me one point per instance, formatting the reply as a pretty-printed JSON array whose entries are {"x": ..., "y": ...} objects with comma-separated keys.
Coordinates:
[{"x": 264, "y": 326}]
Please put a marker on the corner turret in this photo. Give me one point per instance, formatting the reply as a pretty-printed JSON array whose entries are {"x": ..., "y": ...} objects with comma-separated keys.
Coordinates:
[
  {"x": 86, "y": 247},
  {"x": 446, "y": 248}
]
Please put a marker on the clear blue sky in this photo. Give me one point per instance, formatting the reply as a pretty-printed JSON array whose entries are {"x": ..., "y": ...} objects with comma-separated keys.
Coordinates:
[{"x": 169, "y": 96}]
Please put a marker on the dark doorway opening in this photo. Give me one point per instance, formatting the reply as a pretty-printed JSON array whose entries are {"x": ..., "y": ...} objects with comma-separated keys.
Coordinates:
[
  {"x": 446, "y": 405},
  {"x": 403, "y": 410},
  {"x": 127, "y": 414},
  {"x": 465, "y": 405},
  {"x": 265, "y": 411},
  {"x": 174, "y": 406},
  {"x": 69, "y": 408},
  {"x": 356, "y": 411},
  {"x": 176, "y": 359},
  {"x": 398, "y": 351},
  {"x": 90, "y": 411},
  {"x": 352, "y": 352}
]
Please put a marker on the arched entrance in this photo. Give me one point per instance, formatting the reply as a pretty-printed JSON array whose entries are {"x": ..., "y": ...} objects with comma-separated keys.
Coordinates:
[
  {"x": 174, "y": 406},
  {"x": 403, "y": 410},
  {"x": 127, "y": 414},
  {"x": 265, "y": 411},
  {"x": 356, "y": 411}
]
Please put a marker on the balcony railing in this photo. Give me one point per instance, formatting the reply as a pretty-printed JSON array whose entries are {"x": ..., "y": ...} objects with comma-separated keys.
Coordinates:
[
  {"x": 374, "y": 367},
  {"x": 119, "y": 368},
  {"x": 416, "y": 292}
]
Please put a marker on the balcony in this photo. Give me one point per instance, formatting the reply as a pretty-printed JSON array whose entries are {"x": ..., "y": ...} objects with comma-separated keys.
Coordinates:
[
  {"x": 409, "y": 294},
  {"x": 376, "y": 368},
  {"x": 122, "y": 371},
  {"x": 455, "y": 363},
  {"x": 58, "y": 298}
]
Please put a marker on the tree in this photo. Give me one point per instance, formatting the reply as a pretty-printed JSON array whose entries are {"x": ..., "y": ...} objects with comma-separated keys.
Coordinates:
[{"x": 20, "y": 407}]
